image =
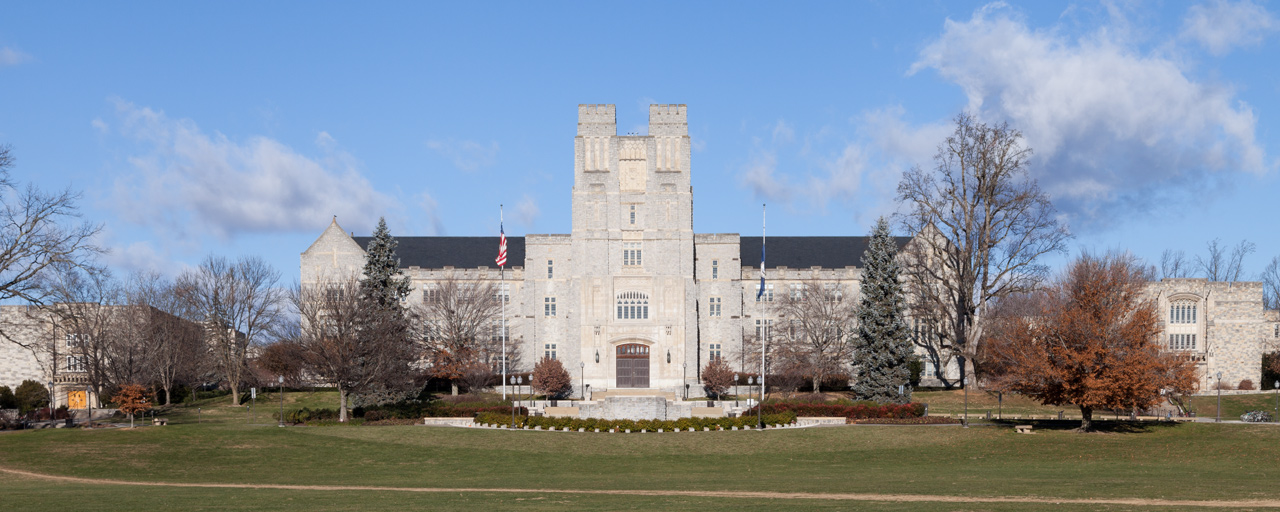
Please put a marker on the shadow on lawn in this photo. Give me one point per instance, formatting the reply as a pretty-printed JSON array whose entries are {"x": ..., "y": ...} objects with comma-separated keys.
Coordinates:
[{"x": 1104, "y": 426}]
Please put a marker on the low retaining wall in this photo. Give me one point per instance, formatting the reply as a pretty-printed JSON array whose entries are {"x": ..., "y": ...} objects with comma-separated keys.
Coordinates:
[{"x": 450, "y": 422}]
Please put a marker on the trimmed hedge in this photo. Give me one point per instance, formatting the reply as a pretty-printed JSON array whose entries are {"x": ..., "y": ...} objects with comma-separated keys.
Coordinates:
[
  {"x": 857, "y": 411},
  {"x": 590, "y": 424},
  {"x": 432, "y": 409}
]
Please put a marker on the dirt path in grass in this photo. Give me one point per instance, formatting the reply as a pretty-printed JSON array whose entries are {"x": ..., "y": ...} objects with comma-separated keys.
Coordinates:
[{"x": 916, "y": 498}]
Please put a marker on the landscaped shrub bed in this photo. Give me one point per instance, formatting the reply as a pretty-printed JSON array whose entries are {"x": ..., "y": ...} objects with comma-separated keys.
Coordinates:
[
  {"x": 308, "y": 415},
  {"x": 432, "y": 409},
  {"x": 922, "y": 420},
  {"x": 856, "y": 410},
  {"x": 590, "y": 424}
]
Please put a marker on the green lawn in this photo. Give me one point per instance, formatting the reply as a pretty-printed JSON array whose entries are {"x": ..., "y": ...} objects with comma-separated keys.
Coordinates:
[{"x": 1188, "y": 461}]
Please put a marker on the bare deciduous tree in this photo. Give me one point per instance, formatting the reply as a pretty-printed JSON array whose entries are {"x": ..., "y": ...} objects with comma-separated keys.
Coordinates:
[
  {"x": 1174, "y": 264},
  {"x": 816, "y": 325},
  {"x": 38, "y": 232},
  {"x": 1218, "y": 265},
  {"x": 980, "y": 225},
  {"x": 240, "y": 303},
  {"x": 345, "y": 343},
  {"x": 85, "y": 317},
  {"x": 457, "y": 318},
  {"x": 1271, "y": 284},
  {"x": 171, "y": 332}
]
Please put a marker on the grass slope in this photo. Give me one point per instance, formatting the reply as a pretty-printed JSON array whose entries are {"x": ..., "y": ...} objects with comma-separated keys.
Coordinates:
[{"x": 1188, "y": 461}]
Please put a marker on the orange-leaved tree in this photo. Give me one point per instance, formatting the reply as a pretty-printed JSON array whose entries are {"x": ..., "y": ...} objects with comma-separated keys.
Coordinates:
[
  {"x": 716, "y": 378},
  {"x": 550, "y": 377},
  {"x": 131, "y": 399},
  {"x": 1087, "y": 339}
]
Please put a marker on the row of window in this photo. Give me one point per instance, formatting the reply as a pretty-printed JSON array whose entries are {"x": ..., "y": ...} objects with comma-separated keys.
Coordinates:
[
  {"x": 1182, "y": 312},
  {"x": 1182, "y": 342}
]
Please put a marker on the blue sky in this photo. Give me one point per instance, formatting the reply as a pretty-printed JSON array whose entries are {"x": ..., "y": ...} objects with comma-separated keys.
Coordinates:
[{"x": 241, "y": 128}]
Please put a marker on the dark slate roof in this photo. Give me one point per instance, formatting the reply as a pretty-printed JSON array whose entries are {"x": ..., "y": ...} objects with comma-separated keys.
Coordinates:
[
  {"x": 453, "y": 251},
  {"x": 809, "y": 251},
  {"x": 479, "y": 251}
]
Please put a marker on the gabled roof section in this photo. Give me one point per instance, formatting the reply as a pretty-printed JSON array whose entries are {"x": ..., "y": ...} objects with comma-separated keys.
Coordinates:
[
  {"x": 809, "y": 251},
  {"x": 453, "y": 251},
  {"x": 334, "y": 234}
]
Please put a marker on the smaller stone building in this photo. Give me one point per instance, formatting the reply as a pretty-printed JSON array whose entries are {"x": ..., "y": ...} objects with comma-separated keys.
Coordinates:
[{"x": 1221, "y": 326}]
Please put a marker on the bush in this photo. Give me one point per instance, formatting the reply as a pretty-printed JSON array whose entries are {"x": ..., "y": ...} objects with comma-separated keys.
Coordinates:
[
  {"x": 1245, "y": 385},
  {"x": 551, "y": 379},
  {"x": 590, "y": 424},
  {"x": 7, "y": 400},
  {"x": 716, "y": 378},
  {"x": 413, "y": 409},
  {"x": 30, "y": 395},
  {"x": 308, "y": 415}
]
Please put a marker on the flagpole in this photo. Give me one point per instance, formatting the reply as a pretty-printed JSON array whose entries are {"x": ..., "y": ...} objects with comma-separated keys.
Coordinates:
[
  {"x": 765, "y": 341},
  {"x": 502, "y": 290}
]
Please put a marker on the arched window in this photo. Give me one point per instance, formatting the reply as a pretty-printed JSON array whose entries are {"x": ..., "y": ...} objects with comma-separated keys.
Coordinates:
[
  {"x": 1182, "y": 312},
  {"x": 633, "y": 306}
]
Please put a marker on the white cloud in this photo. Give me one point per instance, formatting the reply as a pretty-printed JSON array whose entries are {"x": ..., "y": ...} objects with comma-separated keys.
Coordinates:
[
  {"x": 100, "y": 125},
  {"x": 783, "y": 133},
  {"x": 1220, "y": 25},
  {"x": 192, "y": 183},
  {"x": 840, "y": 179},
  {"x": 432, "y": 211},
  {"x": 12, "y": 57},
  {"x": 527, "y": 211},
  {"x": 467, "y": 155},
  {"x": 1111, "y": 127}
]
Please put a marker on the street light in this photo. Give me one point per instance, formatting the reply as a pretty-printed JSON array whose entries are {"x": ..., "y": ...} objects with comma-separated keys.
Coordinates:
[
  {"x": 513, "y": 403},
  {"x": 280, "y": 380},
  {"x": 89, "y": 403},
  {"x": 582, "y": 378},
  {"x": 50, "y": 400},
  {"x": 965, "y": 385},
  {"x": 1276, "y": 387},
  {"x": 1219, "y": 397}
]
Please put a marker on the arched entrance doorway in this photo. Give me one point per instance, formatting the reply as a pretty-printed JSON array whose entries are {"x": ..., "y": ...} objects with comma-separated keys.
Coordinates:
[{"x": 633, "y": 365}]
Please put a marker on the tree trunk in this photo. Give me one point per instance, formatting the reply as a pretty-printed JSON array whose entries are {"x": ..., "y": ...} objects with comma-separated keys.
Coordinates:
[
  {"x": 235, "y": 391},
  {"x": 168, "y": 398},
  {"x": 1086, "y": 421},
  {"x": 342, "y": 405},
  {"x": 454, "y": 384},
  {"x": 817, "y": 383}
]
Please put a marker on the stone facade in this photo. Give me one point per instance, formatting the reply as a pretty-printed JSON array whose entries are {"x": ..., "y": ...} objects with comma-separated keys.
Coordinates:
[
  {"x": 632, "y": 246},
  {"x": 1221, "y": 326}
]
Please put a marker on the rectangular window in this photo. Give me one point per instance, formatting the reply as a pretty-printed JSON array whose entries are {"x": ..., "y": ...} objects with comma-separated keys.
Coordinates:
[
  {"x": 797, "y": 291},
  {"x": 834, "y": 291},
  {"x": 713, "y": 350},
  {"x": 549, "y": 351},
  {"x": 1182, "y": 342},
  {"x": 715, "y": 269},
  {"x": 73, "y": 340},
  {"x": 1182, "y": 313},
  {"x": 768, "y": 293},
  {"x": 76, "y": 364},
  {"x": 500, "y": 333},
  {"x": 631, "y": 254},
  {"x": 713, "y": 308},
  {"x": 430, "y": 293},
  {"x": 764, "y": 328},
  {"x": 549, "y": 306},
  {"x": 550, "y": 269},
  {"x": 502, "y": 293},
  {"x": 632, "y": 214}
]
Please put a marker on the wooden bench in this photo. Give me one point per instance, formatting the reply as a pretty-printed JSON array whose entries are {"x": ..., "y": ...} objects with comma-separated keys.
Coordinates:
[
  {"x": 1023, "y": 429},
  {"x": 159, "y": 421}
]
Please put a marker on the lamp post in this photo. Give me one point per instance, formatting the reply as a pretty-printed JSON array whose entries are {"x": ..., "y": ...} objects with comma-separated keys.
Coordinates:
[
  {"x": 1276, "y": 386},
  {"x": 280, "y": 380},
  {"x": 51, "y": 395},
  {"x": 735, "y": 390},
  {"x": 1219, "y": 397},
  {"x": 582, "y": 378},
  {"x": 89, "y": 403},
  {"x": 965, "y": 385},
  {"x": 513, "y": 403}
]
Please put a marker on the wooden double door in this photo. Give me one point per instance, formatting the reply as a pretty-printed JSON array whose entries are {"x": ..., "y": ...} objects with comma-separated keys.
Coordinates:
[{"x": 633, "y": 365}]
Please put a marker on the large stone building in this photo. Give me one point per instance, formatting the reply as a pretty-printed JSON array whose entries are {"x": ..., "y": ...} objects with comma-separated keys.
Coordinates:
[{"x": 632, "y": 297}]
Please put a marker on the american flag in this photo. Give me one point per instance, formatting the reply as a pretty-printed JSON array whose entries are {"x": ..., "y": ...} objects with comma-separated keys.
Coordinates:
[{"x": 502, "y": 247}]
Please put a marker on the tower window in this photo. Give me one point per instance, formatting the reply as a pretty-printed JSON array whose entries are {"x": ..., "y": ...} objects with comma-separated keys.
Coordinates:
[
  {"x": 549, "y": 351},
  {"x": 1182, "y": 342},
  {"x": 633, "y": 306},
  {"x": 715, "y": 269},
  {"x": 550, "y": 269},
  {"x": 632, "y": 215},
  {"x": 631, "y": 254},
  {"x": 1182, "y": 312},
  {"x": 713, "y": 350},
  {"x": 713, "y": 308},
  {"x": 548, "y": 306}
]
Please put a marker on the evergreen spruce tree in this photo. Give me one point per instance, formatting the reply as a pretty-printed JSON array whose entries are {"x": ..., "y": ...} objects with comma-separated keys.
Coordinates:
[
  {"x": 383, "y": 284},
  {"x": 882, "y": 348}
]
